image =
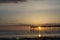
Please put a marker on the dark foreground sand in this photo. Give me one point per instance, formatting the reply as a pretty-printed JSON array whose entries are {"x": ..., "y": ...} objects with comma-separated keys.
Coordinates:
[{"x": 37, "y": 38}]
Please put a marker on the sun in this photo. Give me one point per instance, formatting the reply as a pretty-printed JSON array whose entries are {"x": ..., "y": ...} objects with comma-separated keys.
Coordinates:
[{"x": 39, "y": 27}]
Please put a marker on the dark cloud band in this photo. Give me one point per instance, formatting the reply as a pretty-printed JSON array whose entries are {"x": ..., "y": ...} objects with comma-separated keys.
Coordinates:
[{"x": 2, "y": 1}]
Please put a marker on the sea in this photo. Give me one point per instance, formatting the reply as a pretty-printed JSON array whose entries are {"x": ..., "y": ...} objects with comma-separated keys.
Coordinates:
[{"x": 28, "y": 32}]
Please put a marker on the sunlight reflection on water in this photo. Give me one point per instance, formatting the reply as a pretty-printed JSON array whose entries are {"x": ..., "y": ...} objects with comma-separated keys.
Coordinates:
[{"x": 39, "y": 35}]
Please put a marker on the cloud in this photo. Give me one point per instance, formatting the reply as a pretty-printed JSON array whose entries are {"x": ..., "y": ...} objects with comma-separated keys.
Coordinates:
[
  {"x": 2, "y": 1},
  {"x": 40, "y": 11}
]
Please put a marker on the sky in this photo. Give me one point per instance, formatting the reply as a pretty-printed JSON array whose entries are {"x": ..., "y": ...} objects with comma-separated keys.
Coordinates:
[{"x": 30, "y": 12}]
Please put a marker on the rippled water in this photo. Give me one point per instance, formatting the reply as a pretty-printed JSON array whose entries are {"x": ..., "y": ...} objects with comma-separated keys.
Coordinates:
[{"x": 31, "y": 32}]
